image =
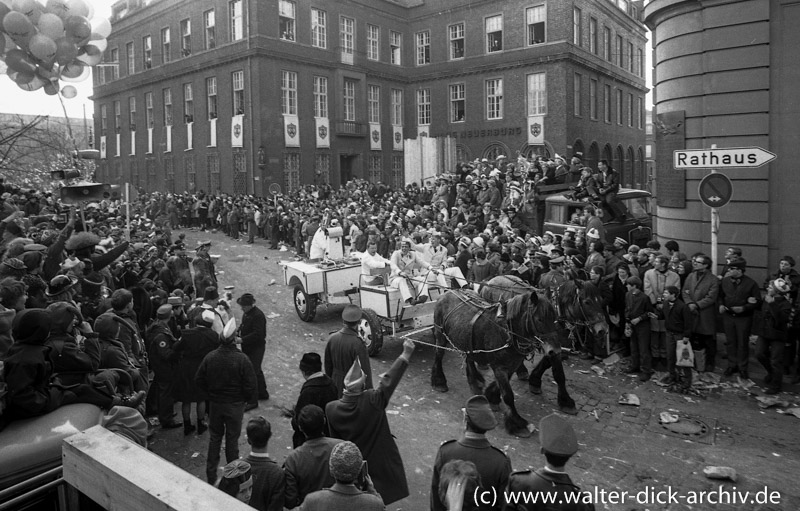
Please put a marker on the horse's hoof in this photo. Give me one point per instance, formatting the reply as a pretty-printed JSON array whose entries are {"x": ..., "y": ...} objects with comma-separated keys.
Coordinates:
[
  {"x": 535, "y": 389},
  {"x": 569, "y": 410},
  {"x": 440, "y": 388}
]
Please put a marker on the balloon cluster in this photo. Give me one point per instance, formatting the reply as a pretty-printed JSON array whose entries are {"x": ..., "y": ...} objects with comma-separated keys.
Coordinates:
[{"x": 43, "y": 44}]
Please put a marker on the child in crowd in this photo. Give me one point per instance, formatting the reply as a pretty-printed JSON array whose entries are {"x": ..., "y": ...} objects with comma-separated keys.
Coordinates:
[
  {"x": 637, "y": 312},
  {"x": 678, "y": 323}
]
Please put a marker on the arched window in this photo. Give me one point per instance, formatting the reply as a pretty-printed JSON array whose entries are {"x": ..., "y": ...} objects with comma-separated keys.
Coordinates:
[
  {"x": 643, "y": 177},
  {"x": 494, "y": 150},
  {"x": 531, "y": 152},
  {"x": 591, "y": 158},
  {"x": 633, "y": 174},
  {"x": 577, "y": 149},
  {"x": 607, "y": 155},
  {"x": 619, "y": 164}
]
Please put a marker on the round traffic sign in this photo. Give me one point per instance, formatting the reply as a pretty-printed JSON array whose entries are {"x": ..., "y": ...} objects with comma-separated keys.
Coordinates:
[{"x": 715, "y": 190}]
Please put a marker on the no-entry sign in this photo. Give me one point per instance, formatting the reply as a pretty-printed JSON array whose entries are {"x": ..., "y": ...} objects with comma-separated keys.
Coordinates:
[
  {"x": 715, "y": 190},
  {"x": 727, "y": 158}
]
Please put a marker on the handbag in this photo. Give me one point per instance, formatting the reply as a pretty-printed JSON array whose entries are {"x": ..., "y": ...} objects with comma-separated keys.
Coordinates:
[{"x": 684, "y": 355}]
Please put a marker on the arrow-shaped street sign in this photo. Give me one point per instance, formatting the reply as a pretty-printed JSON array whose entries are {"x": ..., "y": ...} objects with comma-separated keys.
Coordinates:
[{"x": 726, "y": 158}]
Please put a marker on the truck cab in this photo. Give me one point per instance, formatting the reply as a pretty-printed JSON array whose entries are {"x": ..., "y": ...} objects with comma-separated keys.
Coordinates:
[{"x": 562, "y": 211}]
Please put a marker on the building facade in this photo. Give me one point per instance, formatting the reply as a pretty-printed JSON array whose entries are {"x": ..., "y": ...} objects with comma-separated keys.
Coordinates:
[
  {"x": 724, "y": 75},
  {"x": 238, "y": 96}
]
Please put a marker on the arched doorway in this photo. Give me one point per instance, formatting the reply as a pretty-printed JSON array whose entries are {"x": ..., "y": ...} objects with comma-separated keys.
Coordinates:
[
  {"x": 592, "y": 157},
  {"x": 494, "y": 150},
  {"x": 633, "y": 175},
  {"x": 531, "y": 152}
]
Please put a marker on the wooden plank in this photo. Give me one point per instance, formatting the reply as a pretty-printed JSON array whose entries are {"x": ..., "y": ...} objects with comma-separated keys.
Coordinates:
[{"x": 123, "y": 476}]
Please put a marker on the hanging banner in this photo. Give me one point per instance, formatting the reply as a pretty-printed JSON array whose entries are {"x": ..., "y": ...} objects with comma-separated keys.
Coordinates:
[
  {"x": 149, "y": 140},
  {"x": 536, "y": 129},
  {"x": 397, "y": 138},
  {"x": 323, "y": 132},
  {"x": 237, "y": 130},
  {"x": 423, "y": 131},
  {"x": 168, "y": 129},
  {"x": 189, "y": 136},
  {"x": 291, "y": 131},
  {"x": 102, "y": 146},
  {"x": 375, "y": 136},
  {"x": 117, "y": 149},
  {"x": 212, "y": 141},
  {"x": 133, "y": 143}
]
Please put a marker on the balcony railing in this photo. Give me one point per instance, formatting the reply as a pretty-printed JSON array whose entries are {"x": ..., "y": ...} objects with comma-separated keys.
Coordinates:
[{"x": 351, "y": 129}]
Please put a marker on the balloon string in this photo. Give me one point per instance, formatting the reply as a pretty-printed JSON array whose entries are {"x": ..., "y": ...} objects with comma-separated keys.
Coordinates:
[{"x": 66, "y": 118}]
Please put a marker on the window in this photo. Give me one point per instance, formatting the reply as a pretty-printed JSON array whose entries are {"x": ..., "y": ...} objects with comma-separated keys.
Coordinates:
[
  {"x": 630, "y": 110},
  {"x": 237, "y": 22},
  {"x": 456, "y": 41},
  {"x": 607, "y": 103},
  {"x": 577, "y": 27},
  {"x": 576, "y": 94},
  {"x": 148, "y": 109},
  {"x": 536, "y": 17},
  {"x": 631, "y": 58},
  {"x": 458, "y": 102},
  {"x": 211, "y": 31},
  {"x": 398, "y": 179},
  {"x": 320, "y": 96},
  {"x": 423, "y": 106},
  {"x": 186, "y": 38},
  {"x": 397, "y": 107},
  {"x": 147, "y": 52},
  {"x": 395, "y": 45},
  {"x": 373, "y": 42},
  {"x": 322, "y": 167},
  {"x": 537, "y": 94},
  {"x": 349, "y": 95},
  {"x": 423, "y": 48},
  {"x": 131, "y": 56},
  {"x": 237, "y": 79},
  {"x": 494, "y": 98},
  {"x": 286, "y": 17},
  {"x": 188, "y": 103},
  {"x": 619, "y": 60},
  {"x": 640, "y": 62},
  {"x": 167, "y": 95},
  {"x": 347, "y": 29},
  {"x": 117, "y": 116},
  {"x": 607, "y": 43},
  {"x": 375, "y": 168},
  {"x": 593, "y": 98},
  {"x": 114, "y": 54},
  {"x": 593, "y": 35},
  {"x": 374, "y": 103},
  {"x": 619, "y": 107},
  {"x": 494, "y": 33},
  {"x": 166, "y": 54},
  {"x": 211, "y": 97},
  {"x": 288, "y": 93},
  {"x": 639, "y": 112},
  {"x": 319, "y": 28},
  {"x": 132, "y": 113},
  {"x": 103, "y": 119}
]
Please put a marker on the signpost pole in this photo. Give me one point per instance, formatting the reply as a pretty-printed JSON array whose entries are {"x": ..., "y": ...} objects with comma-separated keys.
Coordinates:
[{"x": 714, "y": 230}]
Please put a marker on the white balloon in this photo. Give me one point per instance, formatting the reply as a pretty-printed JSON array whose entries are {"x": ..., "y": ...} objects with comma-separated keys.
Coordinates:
[
  {"x": 3, "y": 67},
  {"x": 81, "y": 77},
  {"x": 69, "y": 91},
  {"x": 101, "y": 28},
  {"x": 101, "y": 44}
]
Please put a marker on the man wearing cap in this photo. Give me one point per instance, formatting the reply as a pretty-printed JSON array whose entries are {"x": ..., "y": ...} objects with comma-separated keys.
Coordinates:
[
  {"x": 739, "y": 297},
  {"x": 345, "y": 346},
  {"x": 210, "y": 301},
  {"x": 253, "y": 332},
  {"x": 360, "y": 417},
  {"x": 407, "y": 266},
  {"x": 493, "y": 465},
  {"x": 353, "y": 489},
  {"x": 164, "y": 363},
  {"x": 227, "y": 376},
  {"x": 558, "y": 444},
  {"x": 555, "y": 277},
  {"x": 318, "y": 389},
  {"x": 203, "y": 266}
]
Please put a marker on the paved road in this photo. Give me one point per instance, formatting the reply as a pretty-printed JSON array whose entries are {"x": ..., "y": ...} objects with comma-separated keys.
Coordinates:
[{"x": 622, "y": 448}]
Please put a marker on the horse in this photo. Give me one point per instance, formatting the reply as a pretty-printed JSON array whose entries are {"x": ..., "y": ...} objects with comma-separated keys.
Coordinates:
[
  {"x": 470, "y": 325},
  {"x": 578, "y": 304}
]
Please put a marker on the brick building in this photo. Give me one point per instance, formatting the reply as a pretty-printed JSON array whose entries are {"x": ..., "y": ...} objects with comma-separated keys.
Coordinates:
[{"x": 235, "y": 95}]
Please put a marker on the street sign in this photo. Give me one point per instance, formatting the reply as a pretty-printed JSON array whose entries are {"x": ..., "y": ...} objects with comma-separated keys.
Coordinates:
[
  {"x": 725, "y": 158},
  {"x": 715, "y": 190}
]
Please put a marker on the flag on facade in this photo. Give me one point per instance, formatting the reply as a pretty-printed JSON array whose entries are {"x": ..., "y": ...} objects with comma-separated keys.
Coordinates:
[
  {"x": 149, "y": 140},
  {"x": 397, "y": 138},
  {"x": 189, "y": 135},
  {"x": 237, "y": 130},
  {"x": 168, "y": 131},
  {"x": 423, "y": 131},
  {"x": 323, "y": 132},
  {"x": 102, "y": 146},
  {"x": 212, "y": 142},
  {"x": 536, "y": 129},
  {"x": 375, "y": 136},
  {"x": 291, "y": 131},
  {"x": 118, "y": 148},
  {"x": 133, "y": 143}
]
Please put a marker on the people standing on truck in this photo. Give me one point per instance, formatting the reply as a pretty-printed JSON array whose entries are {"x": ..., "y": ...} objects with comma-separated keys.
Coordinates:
[{"x": 608, "y": 187}]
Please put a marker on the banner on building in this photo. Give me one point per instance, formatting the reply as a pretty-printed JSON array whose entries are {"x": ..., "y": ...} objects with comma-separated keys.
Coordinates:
[
  {"x": 103, "y": 146},
  {"x": 237, "y": 130},
  {"x": 189, "y": 135},
  {"x": 212, "y": 141},
  {"x": 117, "y": 149},
  {"x": 323, "y": 131},
  {"x": 133, "y": 143},
  {"x": 536, "y": 129},
  {"x": 375, "y": 136},
  {"x": 397, "y": 138},
  {"x": 168, "y": 130},
  {"x": 423, "y": 131},
  {"x": 149, "y": 140},
  {"x": 291, "y": 131}
]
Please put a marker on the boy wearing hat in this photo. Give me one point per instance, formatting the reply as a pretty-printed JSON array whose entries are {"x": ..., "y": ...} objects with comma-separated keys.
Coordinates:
[
  {"x": 772, "y": 339},
  {"x": 638, "y": 311},
  {"x": 347, "y": 467},
  {"x": 559, "y": 443},
  {"x": 739, "y": 298},
  {"x": 493, "y": 465},
  {"x": 345, "y": 346},
  {"x": 253, "y": 332}
]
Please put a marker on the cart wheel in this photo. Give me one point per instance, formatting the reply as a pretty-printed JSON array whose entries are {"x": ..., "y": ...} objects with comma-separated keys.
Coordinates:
[
  {"x": 305, "y": 304},
  {"x": 371, "y": 331}
]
